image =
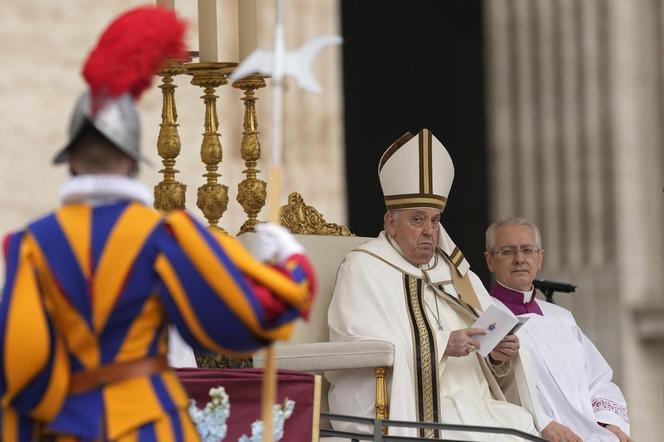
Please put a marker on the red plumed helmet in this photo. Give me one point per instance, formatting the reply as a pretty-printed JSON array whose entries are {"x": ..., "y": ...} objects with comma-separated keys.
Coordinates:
[
  {"x": 127, "y": 56},
  {"x": 131, "y": 50}
]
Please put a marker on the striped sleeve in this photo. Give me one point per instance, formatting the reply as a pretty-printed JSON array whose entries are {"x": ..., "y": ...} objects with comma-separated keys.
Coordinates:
[
  {"x": 210, "y": 286},
  {"x": 34, "y": 374}
]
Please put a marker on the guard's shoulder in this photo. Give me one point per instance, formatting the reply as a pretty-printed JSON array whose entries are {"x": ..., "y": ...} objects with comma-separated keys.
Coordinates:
[
  {"x": 147, "y": 211},
  {"x": 9, "y": 243},
  {"x": 44, "y": 217},
  {"x": 42, "y": 220},
  {"x": 178, "y": 215}
]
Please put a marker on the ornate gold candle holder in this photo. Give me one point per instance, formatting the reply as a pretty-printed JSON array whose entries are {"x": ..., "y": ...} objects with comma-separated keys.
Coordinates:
[
  {"x": 169, "y": 194},
  {"x": 212, "y": 196},
  {"x": 251, "y": 192}
]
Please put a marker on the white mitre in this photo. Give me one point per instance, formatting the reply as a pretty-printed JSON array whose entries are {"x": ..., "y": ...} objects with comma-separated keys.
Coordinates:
[{"x": 416, "y": 171}]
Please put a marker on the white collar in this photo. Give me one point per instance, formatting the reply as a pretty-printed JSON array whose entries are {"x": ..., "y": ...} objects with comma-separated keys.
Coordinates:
[
  {"x": 103, "y": 189},
  {"x": 384, "y": 249},
  {"x": 527, "y": 296},
  {"x": 431, "y": 264}
]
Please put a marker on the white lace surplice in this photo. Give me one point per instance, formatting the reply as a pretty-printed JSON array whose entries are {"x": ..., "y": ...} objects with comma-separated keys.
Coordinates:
[{"x": 574, "y": 381}]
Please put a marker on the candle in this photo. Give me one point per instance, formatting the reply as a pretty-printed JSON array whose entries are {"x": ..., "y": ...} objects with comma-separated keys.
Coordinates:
[
  {"x": 168, "y": 4},
  {"x": 228, "y": 30},
  {"x": 207, "y": 30},
  {"x": 247, "y": 29}
]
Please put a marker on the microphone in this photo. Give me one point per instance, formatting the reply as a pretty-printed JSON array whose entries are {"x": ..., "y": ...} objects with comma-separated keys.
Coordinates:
[
  {"x": 549, "y": 287},
  {"x": 552, "y": 286}
]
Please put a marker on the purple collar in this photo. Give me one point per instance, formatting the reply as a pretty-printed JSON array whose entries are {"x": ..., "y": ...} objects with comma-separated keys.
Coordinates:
[{"x": 513, "y": 299}]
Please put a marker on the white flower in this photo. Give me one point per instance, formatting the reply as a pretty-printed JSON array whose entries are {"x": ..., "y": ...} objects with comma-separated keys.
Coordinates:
[
  {"x": 279, "y": 415},
  {"x": 211, "y": 420}
]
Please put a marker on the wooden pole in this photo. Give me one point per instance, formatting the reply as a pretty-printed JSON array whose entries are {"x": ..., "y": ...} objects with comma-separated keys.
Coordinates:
[
  {"x": 273, "y": 195},
  {"x": 269, "y": 393},
  {"x": 270, "y": 371}
]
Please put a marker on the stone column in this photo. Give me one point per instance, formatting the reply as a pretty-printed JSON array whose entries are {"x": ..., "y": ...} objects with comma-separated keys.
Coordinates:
[{"x": 636, "y": 122}]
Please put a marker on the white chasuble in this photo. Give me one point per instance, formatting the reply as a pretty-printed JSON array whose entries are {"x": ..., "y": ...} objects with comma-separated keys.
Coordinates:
[
  {"x": 573, "y": 380},
  {"x": 380, "y": 296}
]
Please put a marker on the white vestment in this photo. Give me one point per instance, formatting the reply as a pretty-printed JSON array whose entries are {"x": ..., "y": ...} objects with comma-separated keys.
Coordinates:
[
  {"x": 180, "y": 354},
  {"x": 573, "y": 380},
  {"x": 380, "y": 296}
]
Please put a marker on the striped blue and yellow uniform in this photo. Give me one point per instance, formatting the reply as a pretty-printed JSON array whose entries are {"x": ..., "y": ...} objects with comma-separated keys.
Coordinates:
[{"x": 91, "y": 286}]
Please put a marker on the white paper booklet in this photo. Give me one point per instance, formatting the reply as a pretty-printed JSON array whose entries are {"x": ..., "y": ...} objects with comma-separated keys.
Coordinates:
[{"x": 497, "y": 324}]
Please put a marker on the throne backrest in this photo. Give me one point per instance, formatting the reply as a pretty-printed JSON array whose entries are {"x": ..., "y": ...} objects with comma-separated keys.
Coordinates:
[{"x": 325, "y": 252}]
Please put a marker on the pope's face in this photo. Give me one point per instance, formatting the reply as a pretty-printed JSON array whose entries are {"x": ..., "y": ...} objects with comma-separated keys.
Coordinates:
[
  {"x": 515, "y": 258},
  {"x": 415, "y": 231}
]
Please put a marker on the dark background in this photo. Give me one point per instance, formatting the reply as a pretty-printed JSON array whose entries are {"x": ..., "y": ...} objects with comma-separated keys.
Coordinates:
[{"x": 409, "y": 66}]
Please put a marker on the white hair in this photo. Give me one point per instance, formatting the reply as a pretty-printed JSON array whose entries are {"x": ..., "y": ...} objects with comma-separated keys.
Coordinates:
[
  {"x": 490, "y": 236},
  {"x": 395, "y": 215}
]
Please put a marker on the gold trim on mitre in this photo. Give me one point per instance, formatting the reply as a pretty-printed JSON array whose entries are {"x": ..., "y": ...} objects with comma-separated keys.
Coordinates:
[
  {"x": 416, "y": 172},
  {"x": 415, "y": 200},
  {"x": 403, "y": 139},
  {"x": 426, "y": 174}
]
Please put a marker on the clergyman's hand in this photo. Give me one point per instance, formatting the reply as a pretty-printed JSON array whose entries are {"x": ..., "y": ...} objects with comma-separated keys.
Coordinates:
[
  {"x": 461, "y": 342},
  {"x": 622, "y": 437},
  {"x": 506, "y": 349},
  {"x": 555, "y": 432}
]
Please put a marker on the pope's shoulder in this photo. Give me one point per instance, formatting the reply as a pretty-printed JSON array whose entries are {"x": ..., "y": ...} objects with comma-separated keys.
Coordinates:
[{"x": 365, "y": 252}]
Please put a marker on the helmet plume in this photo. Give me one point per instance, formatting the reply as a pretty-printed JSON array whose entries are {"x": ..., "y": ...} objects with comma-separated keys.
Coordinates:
[{"x": 131, "y": 50}]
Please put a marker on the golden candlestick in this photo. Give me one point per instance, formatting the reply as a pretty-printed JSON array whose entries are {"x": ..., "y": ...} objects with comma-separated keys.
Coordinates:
[
  {"x": 212, "y": 196},
  {"x": 251, "y": 192},
  {"x": 169, "y": 194}
]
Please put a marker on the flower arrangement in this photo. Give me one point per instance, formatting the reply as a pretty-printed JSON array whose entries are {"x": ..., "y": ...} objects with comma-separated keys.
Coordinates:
[
  {"x": 211, "y": 420},
  {"x": 279, "y": 415}
]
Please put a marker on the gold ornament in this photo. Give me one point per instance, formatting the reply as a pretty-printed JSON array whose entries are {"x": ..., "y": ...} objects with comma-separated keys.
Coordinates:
[
  {"x": 169, "y": 194},
  {"x": 212, "y": 196},
  {"x": 251, "y": 192},
  {"x": 298, "y": 217}
]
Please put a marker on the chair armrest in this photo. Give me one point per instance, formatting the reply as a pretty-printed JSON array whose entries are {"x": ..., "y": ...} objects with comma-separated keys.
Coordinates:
[{"x": 321, "y": 356}]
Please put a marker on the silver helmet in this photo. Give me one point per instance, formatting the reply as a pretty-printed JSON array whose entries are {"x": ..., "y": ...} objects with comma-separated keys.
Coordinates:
[{"x": 117, "y": 120}]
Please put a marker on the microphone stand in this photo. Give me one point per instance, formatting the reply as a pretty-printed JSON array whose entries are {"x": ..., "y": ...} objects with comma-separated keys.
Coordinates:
[{"x": 548, "y": 288}]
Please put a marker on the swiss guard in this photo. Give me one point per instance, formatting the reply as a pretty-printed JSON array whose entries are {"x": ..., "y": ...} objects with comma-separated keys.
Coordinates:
[{"x": 90, "y": 289}]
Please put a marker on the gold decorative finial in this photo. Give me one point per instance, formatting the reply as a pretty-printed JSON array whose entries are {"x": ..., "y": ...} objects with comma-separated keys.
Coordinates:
[
  {"x": 251, "y": 192},
  {"x": 212, "y": 196},
  {"x": 169, "y": 194},
  {"x": 298, "y": 217}
]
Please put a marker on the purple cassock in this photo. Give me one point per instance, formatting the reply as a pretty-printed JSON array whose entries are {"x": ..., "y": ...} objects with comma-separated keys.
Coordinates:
[{"x": 514, "y": 300}]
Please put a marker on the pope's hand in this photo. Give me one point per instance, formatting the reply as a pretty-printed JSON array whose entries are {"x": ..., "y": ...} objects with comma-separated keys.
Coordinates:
[
  {"x": 506, "y": 349},
  {"x": 555, "y": 432},
  {"x": 461, "y": 342},
  {"x": 622, "y": 437},
  {"x": 275, "y": 243}
]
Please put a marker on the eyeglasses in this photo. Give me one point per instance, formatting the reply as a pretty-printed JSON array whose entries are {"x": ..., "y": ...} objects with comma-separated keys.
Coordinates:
[{"x": 511, "y": 252}]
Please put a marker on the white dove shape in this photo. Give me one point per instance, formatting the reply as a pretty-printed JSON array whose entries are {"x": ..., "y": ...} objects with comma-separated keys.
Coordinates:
[{"x": 297, "y": 64}]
